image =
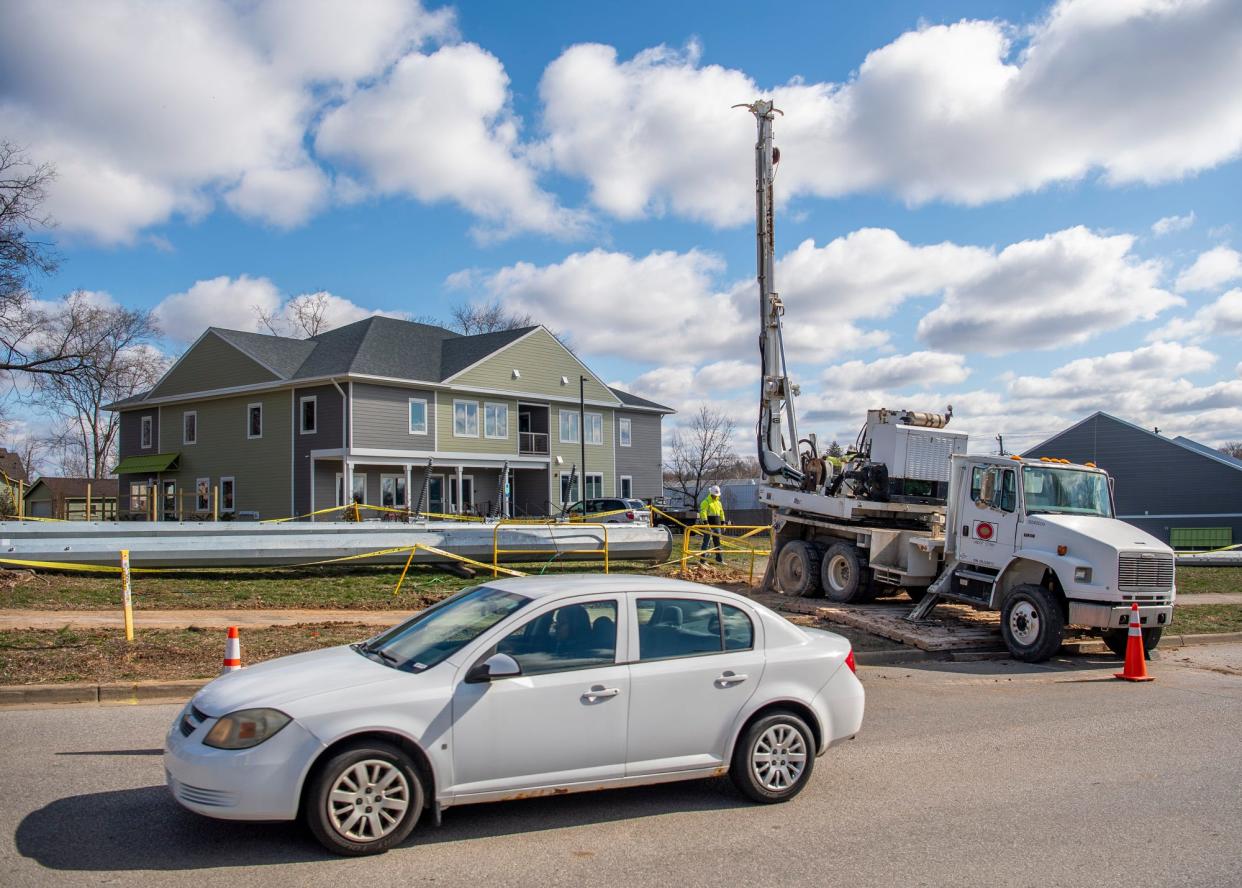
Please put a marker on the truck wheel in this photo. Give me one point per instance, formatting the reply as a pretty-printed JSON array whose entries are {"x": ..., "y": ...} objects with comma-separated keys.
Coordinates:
[
  {"x": 1032, "y": 623},
  {"x": 844, "y": 577},
  {"x": 797, "y": 569},
  {"x": 1117, "y": 639}
]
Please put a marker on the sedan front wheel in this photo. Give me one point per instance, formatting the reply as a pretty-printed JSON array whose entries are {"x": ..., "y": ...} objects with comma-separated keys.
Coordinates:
[
  {"x": 364, "y": 800},
  {"x": 774, "y": 758}
]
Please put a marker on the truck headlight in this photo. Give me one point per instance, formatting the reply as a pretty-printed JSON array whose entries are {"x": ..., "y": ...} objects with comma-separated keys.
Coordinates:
[
  {"x": 1082, "y": 575},
  {"x": 246, "y": 728}
]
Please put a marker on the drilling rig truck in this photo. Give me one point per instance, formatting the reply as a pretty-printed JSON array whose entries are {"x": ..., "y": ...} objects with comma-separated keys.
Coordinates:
[{"x": 909, "y": 508}]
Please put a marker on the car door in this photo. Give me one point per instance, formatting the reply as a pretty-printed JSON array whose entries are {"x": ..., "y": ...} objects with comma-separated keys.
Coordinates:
[
  {"x": 988, "y": 516},
  {"x": 563, "y": 720},
  {"x": 695, "y": 663}
]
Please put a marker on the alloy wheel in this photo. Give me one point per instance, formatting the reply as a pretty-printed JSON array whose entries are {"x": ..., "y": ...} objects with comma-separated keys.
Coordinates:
[
  {"x": 368, "y": 800},
  {"x": 779, "y": 757}
]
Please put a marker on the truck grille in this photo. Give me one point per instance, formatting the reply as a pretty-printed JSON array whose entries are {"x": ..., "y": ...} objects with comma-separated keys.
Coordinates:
[{"x": 1144, "y": 570}]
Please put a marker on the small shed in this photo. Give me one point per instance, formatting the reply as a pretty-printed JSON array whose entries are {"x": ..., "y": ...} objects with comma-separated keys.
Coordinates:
[{"x": 66, "y": 499}]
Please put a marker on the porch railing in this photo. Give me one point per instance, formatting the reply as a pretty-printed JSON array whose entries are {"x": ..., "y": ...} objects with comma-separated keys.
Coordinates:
[{"x": 533, "y": 442}]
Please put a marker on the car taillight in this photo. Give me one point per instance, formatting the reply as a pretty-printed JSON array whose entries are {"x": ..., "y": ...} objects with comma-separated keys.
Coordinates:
[
  {"x": 629, "y": 516},
  {"x": 849, "y": 661}
]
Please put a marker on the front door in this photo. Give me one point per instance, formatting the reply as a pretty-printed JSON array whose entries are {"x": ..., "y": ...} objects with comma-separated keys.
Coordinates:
[
  {"x": 697, "y": 663},
  {"x": 987, "y": 515},
  {"x": 435, "y": 494},
  {"x": 562, "y": 721}
]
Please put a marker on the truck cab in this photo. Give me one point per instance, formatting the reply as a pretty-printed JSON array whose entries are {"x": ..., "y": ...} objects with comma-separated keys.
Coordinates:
[{"x": 1038, "y": 540}]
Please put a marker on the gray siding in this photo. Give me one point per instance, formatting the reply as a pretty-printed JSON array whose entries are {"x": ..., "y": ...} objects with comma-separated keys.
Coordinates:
[
  {"x": 326, "y": 437},
  {"x": 211, "y": 364},
  {"x": 1153, "y": 476},
  {"x": 643, "y": 459},
  {"x": 381, "y": 418}
]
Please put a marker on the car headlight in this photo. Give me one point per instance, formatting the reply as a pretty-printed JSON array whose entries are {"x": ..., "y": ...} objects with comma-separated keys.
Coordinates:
[
  {"x": 1082, "y": 575},
  {"x": 246, "y": 728}
]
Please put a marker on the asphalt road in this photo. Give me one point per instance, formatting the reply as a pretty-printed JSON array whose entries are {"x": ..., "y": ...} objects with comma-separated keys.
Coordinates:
[{"x": 985, "y": 774}]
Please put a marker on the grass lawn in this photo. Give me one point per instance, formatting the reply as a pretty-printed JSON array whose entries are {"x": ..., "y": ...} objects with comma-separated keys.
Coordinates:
[
  {"x": 1201, "y": 580},
  {"x": 1204, "y": 618}
]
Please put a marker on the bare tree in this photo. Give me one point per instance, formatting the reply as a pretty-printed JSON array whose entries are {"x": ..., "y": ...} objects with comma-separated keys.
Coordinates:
[
  {"x": 699, "y": 452},
  {"x": 305, "y": 316},
  {"x": 489, "y": 317},
  {"x": 122, "y": 363},
  {"x": 1232, "y": 448}
]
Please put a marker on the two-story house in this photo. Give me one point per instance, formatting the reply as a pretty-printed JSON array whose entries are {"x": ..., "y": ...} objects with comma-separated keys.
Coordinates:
[{"x": 385, "y": 411}]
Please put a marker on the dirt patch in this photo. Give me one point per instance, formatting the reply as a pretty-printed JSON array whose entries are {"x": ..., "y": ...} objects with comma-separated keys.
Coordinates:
[{"x": 100, "y": 655}]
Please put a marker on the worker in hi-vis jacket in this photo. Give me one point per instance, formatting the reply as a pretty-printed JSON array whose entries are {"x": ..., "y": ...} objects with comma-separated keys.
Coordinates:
[{"x": 711, "y": 511}]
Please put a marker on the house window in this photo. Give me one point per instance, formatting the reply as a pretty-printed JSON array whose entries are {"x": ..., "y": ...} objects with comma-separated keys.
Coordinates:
[
  {"x": 594, "y": 428},
  {"x": 227, "y": 489},
  {"x": 254, "y": 420},
  {"x": 569, "y": 488},
  {"x": 189, "y": 427},
  {"x": 569, "y": 427},
  {"x": 308, "y": 415},
  {"x": 625, "y": 432},
  {"x": 594, "y": 485},
  {"x": 418, "y": 416},
  {"x": 626, "y": 487},
  {"x": 466, "y": 419},
  {"x": 467, "y": 494},
  {"x": 360, "y": 489},
  {"x": 495, "y": 421},
  {"x": 138, "y": 496},
  {"x": 147, "y": 434},
  {"x": 170, "y": 500},
  {"x": 392, "y": 491},
  {"x": 202, "y": 495}
]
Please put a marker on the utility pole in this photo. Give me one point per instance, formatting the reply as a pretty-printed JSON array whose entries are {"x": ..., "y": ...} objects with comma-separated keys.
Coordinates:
[
  {"x": 582, "y": 436},
  {"x": 1000, "y": 445}
]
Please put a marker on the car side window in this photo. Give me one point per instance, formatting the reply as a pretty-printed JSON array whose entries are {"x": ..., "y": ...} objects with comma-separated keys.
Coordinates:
[
  {"x": 739, "y": 632},
  {"x": 678, "y": 627},
  {"x": 576, "y": 636}
]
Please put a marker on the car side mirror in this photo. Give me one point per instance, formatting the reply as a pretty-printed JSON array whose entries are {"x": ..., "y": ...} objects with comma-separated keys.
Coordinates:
[{"x": 494, "y": 667}]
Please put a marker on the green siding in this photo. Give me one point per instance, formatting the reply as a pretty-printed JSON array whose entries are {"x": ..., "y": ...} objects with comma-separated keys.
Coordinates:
[
  {"x": 542, "y": 361},
  {"x": 599, "y": 457},
  {"x": 261, "y": 466},
  {"x": 211, "y": 364},
  {"x": 449, "y": 443}
]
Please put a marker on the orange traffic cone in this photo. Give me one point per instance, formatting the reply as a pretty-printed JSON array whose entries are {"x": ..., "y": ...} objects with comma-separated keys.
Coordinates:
[
  {"x": 232, "y": 652},
  {"x": 1136, "y": 663}
]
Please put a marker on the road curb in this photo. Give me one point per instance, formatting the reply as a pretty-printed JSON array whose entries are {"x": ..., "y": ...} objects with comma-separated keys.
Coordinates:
[
  {"x": 1204, "y": 638},
  {"x": 110, "y": 692}
]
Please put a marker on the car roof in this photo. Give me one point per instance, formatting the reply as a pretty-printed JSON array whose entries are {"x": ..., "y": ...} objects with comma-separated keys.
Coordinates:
[{"x": 573, "y": 584}]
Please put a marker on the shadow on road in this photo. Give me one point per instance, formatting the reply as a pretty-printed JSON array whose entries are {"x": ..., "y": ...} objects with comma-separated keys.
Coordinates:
[{"x": 144, "y": 829}]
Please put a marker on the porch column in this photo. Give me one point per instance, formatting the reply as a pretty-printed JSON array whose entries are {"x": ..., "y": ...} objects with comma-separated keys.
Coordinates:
[
  {"x": 312, "y": 490},
  {"x": 461, "y": 506},
  {"x": 408, "y": 502}
]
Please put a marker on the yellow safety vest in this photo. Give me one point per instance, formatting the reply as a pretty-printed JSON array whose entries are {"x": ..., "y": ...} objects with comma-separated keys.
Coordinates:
[{"x": 711, "y": 506}]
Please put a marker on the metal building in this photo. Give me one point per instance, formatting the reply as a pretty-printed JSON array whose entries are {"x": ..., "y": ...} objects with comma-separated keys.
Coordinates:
[{"x": 1178, "y": 490}]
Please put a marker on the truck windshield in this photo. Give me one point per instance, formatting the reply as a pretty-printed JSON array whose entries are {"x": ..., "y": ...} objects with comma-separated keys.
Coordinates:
[
  {"x": 440, "y": 631},
  {"x": 1065, "y": 491}
]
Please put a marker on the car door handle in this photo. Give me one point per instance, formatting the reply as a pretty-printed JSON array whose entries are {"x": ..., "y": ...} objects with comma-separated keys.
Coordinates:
[
  {"x": 598, "y": 693},
  {"x": 731, "y": 678}
]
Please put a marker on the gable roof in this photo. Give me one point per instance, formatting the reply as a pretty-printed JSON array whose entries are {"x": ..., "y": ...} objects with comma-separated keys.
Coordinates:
[
  {"x": 75, "y": 488},
  {"x": 281, "y": 354},
  {"x": 465, "y": 351},
  {"x": 1180, "y": 441},
  {"x": 634, "y": 401}
]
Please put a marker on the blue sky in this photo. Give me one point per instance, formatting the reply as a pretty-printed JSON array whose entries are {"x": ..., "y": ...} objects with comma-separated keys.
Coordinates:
[{"x": 968, "y": 189}]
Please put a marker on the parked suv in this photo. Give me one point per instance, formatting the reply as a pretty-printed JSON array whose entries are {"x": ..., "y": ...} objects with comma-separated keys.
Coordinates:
[{"x": 612, "y": 510}]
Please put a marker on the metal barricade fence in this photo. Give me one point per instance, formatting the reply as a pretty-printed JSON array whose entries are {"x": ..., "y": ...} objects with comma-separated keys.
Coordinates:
[{"x": 728, "y": 544}]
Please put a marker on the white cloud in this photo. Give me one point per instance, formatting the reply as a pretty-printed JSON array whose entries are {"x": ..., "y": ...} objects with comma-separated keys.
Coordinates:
[
  {"x": 236, "y": 303},
  {"x": 1220, "y": 318},
  {"x": 1059, "y": 290},
  {"x": 1217, "y": 266},
  {"x": 1144, "y": 91},
  {"x": 1117, "y": 372},
  {"x": 923, "y": 368},
  {"x": 1169, "y": 224},
  {"x": 438, "y": 127}
]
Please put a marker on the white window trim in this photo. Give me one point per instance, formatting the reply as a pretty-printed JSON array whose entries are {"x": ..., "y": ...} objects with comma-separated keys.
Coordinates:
[
  {"x": 197, "y": 507},
  {"x": 340, "y": 487},
  {"x": 588, "y": 418},
  {"x": 146, "y": 430},
  {"x": 505, "y": 407},
  {"x": 625, "y": 431},
  {"x": 185, "y": 415},
  {"x": 250, "y": 407},
  {"x": 398, "y": 476},
  {"x": 452, "y": 492},
  {"x": 587, "y": 478},
  {"x": 410, "y": 417},
  {"x": 621, "y": 487},
  {"x": 560, "y": 426},
  {"x": 302, "y": 430},
  {"x": 232, "y": 480},
  {"x": 466, "y": 434}
]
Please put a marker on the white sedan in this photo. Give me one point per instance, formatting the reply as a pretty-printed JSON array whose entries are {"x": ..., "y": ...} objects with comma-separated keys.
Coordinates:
[{"x": 516, "y": 688}]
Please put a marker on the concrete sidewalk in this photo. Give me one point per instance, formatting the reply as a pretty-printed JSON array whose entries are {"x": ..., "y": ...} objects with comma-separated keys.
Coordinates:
[{"x": 182, "y": 619}]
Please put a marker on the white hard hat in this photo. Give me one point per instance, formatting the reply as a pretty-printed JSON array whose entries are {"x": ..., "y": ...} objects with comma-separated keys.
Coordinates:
[{"x": 714, "y": 490}]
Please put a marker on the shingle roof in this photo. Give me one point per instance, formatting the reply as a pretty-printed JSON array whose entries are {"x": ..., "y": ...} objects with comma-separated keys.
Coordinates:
[
  {"x": 634, "y": 401},
  {"x": 76, "y": 487},
  {"x": 458, "y": 354},
  {"x": 282, "y": 354}
]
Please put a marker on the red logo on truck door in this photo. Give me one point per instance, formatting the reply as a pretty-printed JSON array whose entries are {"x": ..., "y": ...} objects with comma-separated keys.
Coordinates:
[{"x": 984, "y": 530}]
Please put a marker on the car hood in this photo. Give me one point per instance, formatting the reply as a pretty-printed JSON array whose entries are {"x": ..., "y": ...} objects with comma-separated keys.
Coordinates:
[
  {"x": 1110, "y": 531},
  {"x": 278, "y": 682}
]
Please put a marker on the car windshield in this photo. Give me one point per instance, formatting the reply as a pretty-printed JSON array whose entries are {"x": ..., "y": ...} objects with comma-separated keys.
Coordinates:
[
  {"x": 440, "y": 631},
  {"x": 1067, "y": 491},
  {"x": 635, "y": 504}
]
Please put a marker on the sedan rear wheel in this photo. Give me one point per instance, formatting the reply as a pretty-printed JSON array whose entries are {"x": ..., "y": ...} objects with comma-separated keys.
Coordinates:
[
  {"x": 774, "y": 758},
  {"x": 366, "y": 799}
]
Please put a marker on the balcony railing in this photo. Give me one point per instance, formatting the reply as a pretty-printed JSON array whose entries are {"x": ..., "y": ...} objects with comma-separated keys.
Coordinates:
[{"x": 533, "y": 442}]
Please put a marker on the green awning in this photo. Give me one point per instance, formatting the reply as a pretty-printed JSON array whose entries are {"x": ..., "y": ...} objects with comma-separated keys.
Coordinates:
[{"x": 147, "y": 463}]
